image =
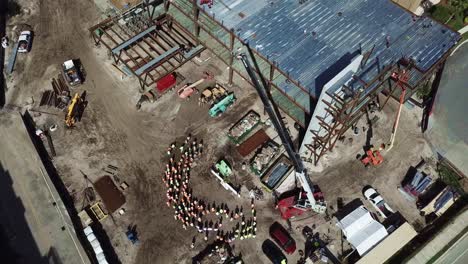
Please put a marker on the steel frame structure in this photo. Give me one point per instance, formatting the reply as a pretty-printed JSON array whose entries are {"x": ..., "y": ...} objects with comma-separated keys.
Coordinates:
[
  {"x": 346, "y": 113},
  {"x": 235, "y": 41},
  {"x": 150, "y": 51}
]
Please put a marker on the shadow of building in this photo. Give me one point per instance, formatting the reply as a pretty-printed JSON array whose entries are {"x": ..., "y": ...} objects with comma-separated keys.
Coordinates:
[{"x": 17, "y": 244}]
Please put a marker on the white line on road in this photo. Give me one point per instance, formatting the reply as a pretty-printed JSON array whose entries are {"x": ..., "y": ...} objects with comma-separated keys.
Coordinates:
[{"x": 448, "y": 251}]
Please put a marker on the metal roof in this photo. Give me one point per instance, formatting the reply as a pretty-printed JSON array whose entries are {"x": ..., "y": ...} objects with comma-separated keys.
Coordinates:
[
  {"x": 308, "y": 40},
  {"x": 361, "y": 230},
  {"x": 390, "y": 245}
]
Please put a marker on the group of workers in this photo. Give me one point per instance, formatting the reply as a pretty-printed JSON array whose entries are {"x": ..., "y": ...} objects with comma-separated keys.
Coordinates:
[{"x": 194, "y": 212}]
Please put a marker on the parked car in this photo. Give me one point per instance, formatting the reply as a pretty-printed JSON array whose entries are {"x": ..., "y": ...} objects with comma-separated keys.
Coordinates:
[
  {"x": 377, "y": 201},
  {"x": 24, "y": 42},
  {"x": 282, "y": 238},
  {"x": 273, "y": 252}
]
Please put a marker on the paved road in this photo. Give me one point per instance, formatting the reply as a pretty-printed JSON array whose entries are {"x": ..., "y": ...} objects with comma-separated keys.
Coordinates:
[{"x": 457, "y": 253}]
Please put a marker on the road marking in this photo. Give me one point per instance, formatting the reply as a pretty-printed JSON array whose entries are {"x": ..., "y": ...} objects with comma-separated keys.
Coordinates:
[
  {"x": 447, "y": 252},
  {"x": 460, "y": 255}
]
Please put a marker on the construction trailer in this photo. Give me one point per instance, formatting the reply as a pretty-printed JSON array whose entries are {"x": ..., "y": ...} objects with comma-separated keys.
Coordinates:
[{"x": 336, "y": 58}]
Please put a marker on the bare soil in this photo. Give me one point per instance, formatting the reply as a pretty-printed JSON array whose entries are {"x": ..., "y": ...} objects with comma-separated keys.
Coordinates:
[{"x": 113, "y": 132}]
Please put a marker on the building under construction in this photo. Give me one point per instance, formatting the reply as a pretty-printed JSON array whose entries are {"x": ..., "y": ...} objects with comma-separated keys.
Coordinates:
[{"x": 323, "y": 60}]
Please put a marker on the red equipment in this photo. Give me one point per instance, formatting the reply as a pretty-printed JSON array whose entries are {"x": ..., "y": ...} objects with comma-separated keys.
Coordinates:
[
  {"x": 190, "y": 88},
  {"x": 296, "y": 205},
  {"x": 372, "y": 157},
  {"x": 401, "y": 80},
  {"x": 166, "y": 83}
]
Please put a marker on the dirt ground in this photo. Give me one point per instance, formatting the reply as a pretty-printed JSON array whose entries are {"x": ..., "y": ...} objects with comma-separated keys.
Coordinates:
[{"x": 113, "y": 132}]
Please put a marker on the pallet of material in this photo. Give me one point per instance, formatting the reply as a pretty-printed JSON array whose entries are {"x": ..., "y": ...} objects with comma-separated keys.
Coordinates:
[
  {"x": 244, "y": 126},
  {"x": 48, "y": 98},
  {"x": 60, "y": 86},
  {"x": 252, "y": 143},
  {"x": 276, "y": 174},
  {"x": 441, "y": 202}
]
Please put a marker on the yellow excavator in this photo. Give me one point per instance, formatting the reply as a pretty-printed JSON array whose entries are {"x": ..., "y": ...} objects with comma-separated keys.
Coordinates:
[{"x": 75, "y": 110}]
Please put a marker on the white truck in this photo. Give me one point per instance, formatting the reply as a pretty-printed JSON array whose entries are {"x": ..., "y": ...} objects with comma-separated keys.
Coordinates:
[{"x": 72, "y": 72}]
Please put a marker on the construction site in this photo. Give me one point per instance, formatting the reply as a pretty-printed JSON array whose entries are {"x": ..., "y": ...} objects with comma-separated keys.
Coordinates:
[{"x": 202, "y": 131}]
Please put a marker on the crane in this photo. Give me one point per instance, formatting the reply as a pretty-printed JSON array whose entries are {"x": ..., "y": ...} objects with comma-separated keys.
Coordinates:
[
  {"x": 374, "y": 157},
  {"x": 401, "y": 79},
  {"x": 310, "y": 197}
]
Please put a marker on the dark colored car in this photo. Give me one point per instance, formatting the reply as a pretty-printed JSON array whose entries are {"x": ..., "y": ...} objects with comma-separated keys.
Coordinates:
[
  {"x": 282, "y": 238},
  {"x": 273, "y": 252}
]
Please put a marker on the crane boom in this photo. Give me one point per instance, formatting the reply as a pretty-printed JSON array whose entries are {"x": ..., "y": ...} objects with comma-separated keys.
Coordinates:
[{"x": 275, "y": 117}]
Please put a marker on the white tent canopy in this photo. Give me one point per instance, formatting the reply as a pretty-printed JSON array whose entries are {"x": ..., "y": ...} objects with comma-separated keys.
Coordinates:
[{"x": 361, "y": 230}]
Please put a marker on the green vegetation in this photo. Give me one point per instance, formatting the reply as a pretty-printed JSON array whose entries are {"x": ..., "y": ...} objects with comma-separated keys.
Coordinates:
[
  {"x": 464, "y": 37},
  {"x": 424, "y": 91},
  {"x": 449, "y": 176},
  {"x": 453, "y": 13}
]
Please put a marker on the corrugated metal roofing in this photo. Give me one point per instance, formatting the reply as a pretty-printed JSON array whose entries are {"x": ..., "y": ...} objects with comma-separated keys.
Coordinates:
[{"x": 307, "y": 39}]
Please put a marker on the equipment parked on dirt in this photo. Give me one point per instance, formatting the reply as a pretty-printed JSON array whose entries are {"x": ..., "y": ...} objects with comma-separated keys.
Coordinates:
[
  {"x": 24, "y": 42},
  {"x": 293, "y": 205},
  {"x": 282, "y": 238},
  {"x": 73, "y": 72},
  {"x": 372, "y": 157},
  {"x": 219, "y": 98},
  {"x": 210, "y": 94},
  {"x": 191, "y": 88},
  {"x": 188, "y": 90},
  {"x": 222, "y": 171},
  {"x": 75, "y": 109},
  {"x": 165, "y": 84}
]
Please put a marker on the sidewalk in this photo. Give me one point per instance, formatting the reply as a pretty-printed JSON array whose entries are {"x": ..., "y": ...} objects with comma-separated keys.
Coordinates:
[{"x": 443, "y": 238}]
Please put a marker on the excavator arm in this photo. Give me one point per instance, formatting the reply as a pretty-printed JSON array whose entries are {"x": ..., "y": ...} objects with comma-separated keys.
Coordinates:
[{"x": 73, "y": 110}]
